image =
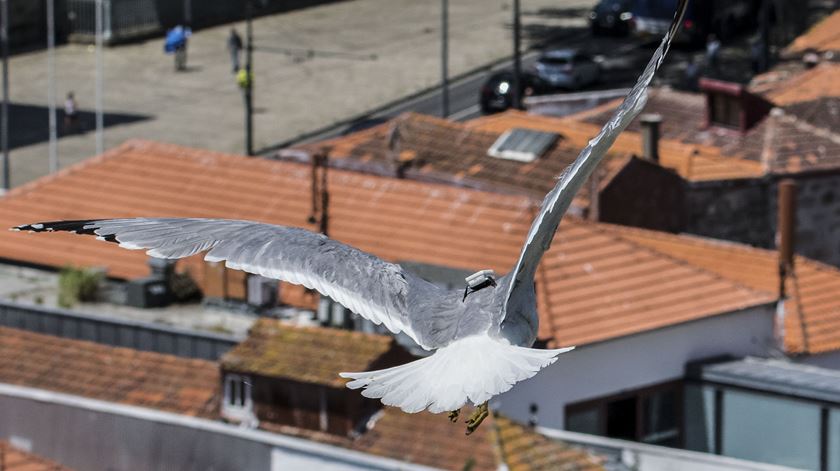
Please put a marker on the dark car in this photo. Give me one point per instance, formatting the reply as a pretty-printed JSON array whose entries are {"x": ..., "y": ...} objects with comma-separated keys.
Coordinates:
[
  {"x": 611, "y": 16},
  {"x": 496, "y": 95}
]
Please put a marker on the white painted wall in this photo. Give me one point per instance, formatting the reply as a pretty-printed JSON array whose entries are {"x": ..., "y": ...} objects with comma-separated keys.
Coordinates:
[
  {"x": 284, "y": 460},
  {"x": 635, "y": 361}
]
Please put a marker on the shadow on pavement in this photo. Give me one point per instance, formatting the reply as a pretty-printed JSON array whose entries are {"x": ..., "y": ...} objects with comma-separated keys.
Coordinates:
[{"x": 29, "y": 124}]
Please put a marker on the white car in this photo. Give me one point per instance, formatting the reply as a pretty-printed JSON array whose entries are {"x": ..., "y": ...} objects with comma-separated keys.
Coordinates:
[{"x": 567, "y": 68}]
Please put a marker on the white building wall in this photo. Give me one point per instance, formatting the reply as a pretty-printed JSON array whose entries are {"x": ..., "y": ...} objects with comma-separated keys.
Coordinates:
[{"x": 631, "y": 362}]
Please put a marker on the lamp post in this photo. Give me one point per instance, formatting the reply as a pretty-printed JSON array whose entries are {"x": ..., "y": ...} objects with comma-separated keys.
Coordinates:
[
  {"x": 4, "y": 110},
  {"x": 53, "y": 125},
  {"x": 444, "y": 57},
  {"x": 516, "y": 100},
  {"x": 249, "y": 82}
]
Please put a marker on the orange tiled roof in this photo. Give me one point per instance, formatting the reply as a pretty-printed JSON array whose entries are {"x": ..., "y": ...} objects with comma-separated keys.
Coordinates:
[
  {"x": 788, "y": 140},
  {"x": 822, "y": 37},
  {"x": 819, "y": 82},
  {"x": 694, "y": 161},
  {"x": 431, "y": 440},
  {"x": 436, "y": 149},
  {"x": 122, "y": 375},
  {"x": 14, "y": 459},
  {"x": 375, "y": 214},
  {"x": 593, "y": 286},
  {"x": 305, "y": 354},
  {"x": 812, "y": 321}
]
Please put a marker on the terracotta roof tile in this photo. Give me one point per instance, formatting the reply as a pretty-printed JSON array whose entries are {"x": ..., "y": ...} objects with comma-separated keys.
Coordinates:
[
  {"x": 431, "y": 440},
  {"x": 819, "y": 82},
  {"x": 812, "y": 321},
  {"x": 372, "y": 213},
  {"x": 587, "y": 262},
  {"x": 822, "y": 37},
  {"x": 782, "y": 143},
  {"x": 692, "y": 161},
  {"x": 122, "y": 375},
  {"x": 453, "y": 152},
  {"x": 305, "y": 354},
  {"x": 14, "y": 459}
]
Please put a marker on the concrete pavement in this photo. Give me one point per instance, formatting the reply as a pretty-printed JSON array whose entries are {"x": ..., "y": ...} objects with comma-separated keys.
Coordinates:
[{"x": 203, "y": 107}]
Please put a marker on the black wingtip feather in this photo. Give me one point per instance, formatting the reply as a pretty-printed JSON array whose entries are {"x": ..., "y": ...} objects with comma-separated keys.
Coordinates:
[{"x": 81, "y": 226}]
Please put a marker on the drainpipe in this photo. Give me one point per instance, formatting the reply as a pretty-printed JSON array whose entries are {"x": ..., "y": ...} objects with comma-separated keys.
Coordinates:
[
  {"x": 786, "y": 231},
  {"x": 785, "y": 241}
]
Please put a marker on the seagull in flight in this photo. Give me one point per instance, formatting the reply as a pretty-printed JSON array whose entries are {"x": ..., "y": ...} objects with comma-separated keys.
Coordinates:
[{"x": 481, "y": 336}]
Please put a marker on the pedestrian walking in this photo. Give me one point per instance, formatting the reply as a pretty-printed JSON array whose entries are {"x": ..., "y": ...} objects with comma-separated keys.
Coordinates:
[
  {"x": 176, "y": 43},
  {"x": 713, "y": 52},
  {"x": 691, "y": 76},
  {"x": 71, "y": 117},
  {"x": 234, "y": 45}
]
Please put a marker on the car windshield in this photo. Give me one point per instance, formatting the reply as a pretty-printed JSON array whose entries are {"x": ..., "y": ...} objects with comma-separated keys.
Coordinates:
[{"x": 554, "y": 60}]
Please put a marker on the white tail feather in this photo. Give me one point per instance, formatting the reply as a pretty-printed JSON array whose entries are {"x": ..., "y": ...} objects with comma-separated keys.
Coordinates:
[{"x": 471, "y": 369}]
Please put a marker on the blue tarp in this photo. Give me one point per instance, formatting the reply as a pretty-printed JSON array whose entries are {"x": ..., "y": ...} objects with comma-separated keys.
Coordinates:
[{"x": 176, "y": 38}]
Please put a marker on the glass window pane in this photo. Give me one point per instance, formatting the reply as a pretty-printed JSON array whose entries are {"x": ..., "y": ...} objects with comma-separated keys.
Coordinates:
[
  {"x": 834, "y": 440},
  {"x": 699, "y": 416},
  {"x": 772, "y": 430},
  {"x": 659, "y": 418},
  {"x": 621, "y": 418},
  {"x": 583, "y": 421}
]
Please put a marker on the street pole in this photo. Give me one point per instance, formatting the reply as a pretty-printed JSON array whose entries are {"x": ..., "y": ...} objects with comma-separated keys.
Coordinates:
[
  {"x": 444, "y": 57},
  {"x": 249, "y": 93},
  {"x": 51, "y": 85},
  {"x": 100, "y": 141},
  {"x": 188, "y": 13},
  {"x": 516, "y": 100},
  {"x": 4, "y": 110},
  {"x": 764, "y": 59}
]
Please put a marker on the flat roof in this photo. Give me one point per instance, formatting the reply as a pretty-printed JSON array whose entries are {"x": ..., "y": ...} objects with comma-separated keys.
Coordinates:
[{"x": 776, "y": 376}]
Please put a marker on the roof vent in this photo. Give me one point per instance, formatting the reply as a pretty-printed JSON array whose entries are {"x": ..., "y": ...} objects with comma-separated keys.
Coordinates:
[{"x": 522, "y": 145}]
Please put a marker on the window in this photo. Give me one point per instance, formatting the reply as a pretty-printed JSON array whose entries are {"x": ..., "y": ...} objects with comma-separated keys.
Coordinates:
[
  {"x": 649, "y": 415},
  {"x": 774, "y": 430},
  {"x": 699, "y": 418},
  {"x": 237, "y": 396},
  {"x": 833, "y": 440},
  {"x": 725, "y": 110}
]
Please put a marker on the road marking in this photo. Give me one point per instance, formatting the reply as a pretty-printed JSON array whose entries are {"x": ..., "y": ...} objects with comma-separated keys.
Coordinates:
[{"x": 463, "y": 113}]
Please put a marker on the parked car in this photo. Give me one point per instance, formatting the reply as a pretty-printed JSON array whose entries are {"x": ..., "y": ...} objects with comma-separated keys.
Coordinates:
[
  {"x": 611, "y": 16},
  {"x": 496, "y": 91},
  {"x": 567, "y": 68}
]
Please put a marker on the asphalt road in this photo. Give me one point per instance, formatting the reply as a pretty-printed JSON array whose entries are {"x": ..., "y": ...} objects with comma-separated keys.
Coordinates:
[{"x": 622, "y": 59}]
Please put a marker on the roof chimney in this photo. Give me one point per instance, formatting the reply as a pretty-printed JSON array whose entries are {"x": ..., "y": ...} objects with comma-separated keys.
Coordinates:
[
  {"x": 786, "y": 230},
  {"x": 650, "y": 136}
]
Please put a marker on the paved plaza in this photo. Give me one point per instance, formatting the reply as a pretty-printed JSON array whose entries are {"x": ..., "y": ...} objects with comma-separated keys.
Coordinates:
[{"x": 294, "y": 93}]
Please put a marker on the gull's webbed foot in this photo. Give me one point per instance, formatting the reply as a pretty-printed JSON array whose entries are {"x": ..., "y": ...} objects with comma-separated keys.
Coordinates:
[
  {"x": 478, "y": 416},
  {"x": 453, "y": 416}
]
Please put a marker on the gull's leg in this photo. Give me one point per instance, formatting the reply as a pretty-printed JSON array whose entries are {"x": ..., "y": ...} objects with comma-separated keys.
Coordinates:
[
  {"x": 453, "y": 416},
  {"x": 478, "y": 416}
]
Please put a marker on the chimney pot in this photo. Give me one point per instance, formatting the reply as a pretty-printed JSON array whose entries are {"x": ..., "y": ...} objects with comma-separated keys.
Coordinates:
[{"x": 650, "y": 136}]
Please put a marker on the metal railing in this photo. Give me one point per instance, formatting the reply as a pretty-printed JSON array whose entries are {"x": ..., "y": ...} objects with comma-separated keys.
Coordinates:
[{"x": 116, "y": 332}]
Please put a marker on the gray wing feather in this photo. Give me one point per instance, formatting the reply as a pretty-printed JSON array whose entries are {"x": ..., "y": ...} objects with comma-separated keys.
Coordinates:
[
  {"x": 557, "y": 201},
  {"x": 374, "y": 289}
]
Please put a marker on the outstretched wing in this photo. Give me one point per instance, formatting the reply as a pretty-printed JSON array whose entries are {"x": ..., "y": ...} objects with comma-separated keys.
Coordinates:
[
  {"x": 374, "y": 289},
  {"x": 557, "y": 201}
]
